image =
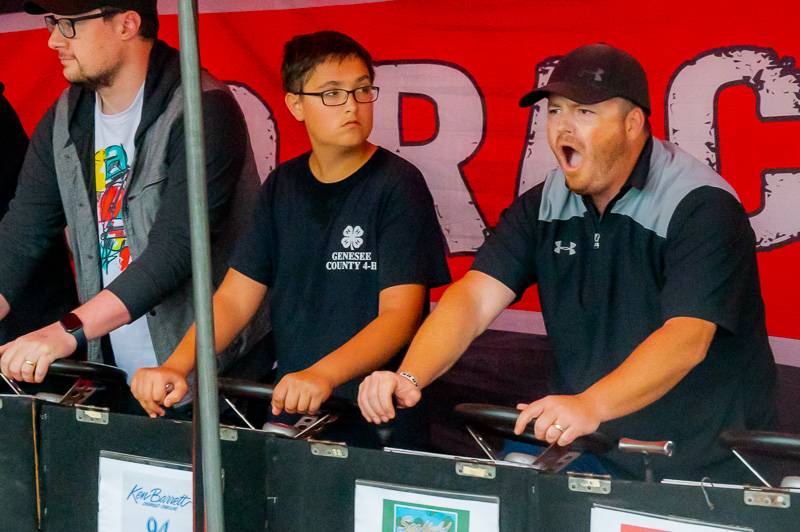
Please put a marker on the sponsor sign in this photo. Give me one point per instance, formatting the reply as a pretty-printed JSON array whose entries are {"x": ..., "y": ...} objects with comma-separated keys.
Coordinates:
[{"x": 140, "y": 495}]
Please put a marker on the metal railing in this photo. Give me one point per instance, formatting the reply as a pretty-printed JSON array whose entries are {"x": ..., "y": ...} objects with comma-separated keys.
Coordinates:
[{"x": 206, "y": 382}]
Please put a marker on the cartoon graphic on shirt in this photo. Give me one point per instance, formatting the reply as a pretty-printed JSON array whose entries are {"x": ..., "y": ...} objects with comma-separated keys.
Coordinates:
[{"x": 111, "y": 176}]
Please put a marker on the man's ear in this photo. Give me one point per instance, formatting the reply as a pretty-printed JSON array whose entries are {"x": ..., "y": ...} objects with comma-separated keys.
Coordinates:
[
  {"x": 129, "y": 24},
  {"x": 635, "y": 122},
  {"x": 295, "y": 105}
]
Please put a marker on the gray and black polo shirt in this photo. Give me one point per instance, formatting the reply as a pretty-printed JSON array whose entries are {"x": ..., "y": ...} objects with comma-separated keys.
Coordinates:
[{"x": 674, "y": 242}]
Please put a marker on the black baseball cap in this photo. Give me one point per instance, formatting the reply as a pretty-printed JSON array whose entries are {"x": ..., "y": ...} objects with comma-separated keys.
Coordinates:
[
  {"x": 595, "y": 73},
  {"x": 76, "y": 7}
]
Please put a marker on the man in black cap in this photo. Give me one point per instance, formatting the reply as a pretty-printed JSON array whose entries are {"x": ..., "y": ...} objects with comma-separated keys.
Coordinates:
[
  {"x": 107, "y": 162},
  {"x": 645, "y": 264}
]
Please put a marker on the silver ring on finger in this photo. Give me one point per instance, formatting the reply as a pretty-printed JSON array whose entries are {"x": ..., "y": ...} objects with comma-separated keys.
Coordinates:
[
  {"x": 30, "y": 363},
  {"x": 558, "y": 427}
]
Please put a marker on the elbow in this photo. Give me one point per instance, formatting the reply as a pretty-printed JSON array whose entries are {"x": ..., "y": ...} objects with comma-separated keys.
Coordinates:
[
  {"x": 695, "y": 336},
  {"x": 695, "y": 356}
]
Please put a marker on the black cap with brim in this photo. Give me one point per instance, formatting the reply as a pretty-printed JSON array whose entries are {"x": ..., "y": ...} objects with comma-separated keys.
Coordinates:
[
  {"x": 76, "y": 7},
  {"x": 595, "y": 73},
  {"x": 575, "y": 93}
]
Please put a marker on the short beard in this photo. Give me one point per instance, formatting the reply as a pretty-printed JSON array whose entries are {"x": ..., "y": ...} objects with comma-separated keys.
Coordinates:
[
  {"x": 99, "y": 81},
  {"x": 604, "y": 165}
]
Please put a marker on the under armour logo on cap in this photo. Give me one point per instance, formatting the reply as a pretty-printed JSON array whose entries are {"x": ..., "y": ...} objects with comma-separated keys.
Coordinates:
[{"x": 597, "y": 75}]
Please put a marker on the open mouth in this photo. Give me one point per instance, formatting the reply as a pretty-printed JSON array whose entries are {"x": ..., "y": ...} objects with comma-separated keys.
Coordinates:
[{"x": 571, "y": 157}]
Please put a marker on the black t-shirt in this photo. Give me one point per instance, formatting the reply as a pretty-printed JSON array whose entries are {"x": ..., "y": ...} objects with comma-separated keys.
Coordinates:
[
  {"x": 327, "y": 250},
  {"x": 675, "y": 242}
]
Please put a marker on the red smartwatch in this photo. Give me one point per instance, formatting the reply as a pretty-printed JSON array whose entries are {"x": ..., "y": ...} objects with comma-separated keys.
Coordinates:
[{"x": 74, "y": 326}]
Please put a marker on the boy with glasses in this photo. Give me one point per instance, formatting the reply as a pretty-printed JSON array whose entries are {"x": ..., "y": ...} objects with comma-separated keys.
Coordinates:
[
  {"x": 344, "y": 244},
  {"x": 108, "y": 162}
]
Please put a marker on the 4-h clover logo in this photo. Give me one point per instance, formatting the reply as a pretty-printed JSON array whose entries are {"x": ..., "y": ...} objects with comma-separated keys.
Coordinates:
[{"x": 352, "y": 237}]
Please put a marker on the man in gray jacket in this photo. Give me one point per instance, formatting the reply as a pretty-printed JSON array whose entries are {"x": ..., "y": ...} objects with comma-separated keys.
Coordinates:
[{"x": 107, "y": 162}]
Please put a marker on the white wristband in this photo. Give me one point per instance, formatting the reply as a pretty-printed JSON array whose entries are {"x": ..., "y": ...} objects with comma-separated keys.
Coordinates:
[{"x": 409, "y": 377}]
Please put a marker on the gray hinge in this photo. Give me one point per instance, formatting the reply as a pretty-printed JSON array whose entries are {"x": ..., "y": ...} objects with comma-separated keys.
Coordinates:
[
  {"x": 767, "y": 498},
  {"x": 329, "y": 449},
  {"x": 228, "y": 434},
  {"x": 586, "y": 483},
  {"x": 85, "y": 414},
  {"x": 472, "y": 469}
]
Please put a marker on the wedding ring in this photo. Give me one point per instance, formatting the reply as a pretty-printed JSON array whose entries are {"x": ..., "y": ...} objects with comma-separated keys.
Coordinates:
[
  {"x": 30, "y": 363},
  {"x": 558, "y": 427}
]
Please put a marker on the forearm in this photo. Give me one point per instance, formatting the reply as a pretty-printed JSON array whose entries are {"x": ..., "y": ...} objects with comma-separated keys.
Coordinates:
[
  {"x": 465, "y": 310},
  {"x": 371, "y": 348},
  {"x": 102, "y": 314},
  {"x": 652, "y": 369},
  {"x": 234, "y": 305}
]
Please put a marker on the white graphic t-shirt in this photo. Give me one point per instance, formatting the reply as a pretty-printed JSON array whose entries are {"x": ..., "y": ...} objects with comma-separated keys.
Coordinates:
[{"x": 114, "y": 153}]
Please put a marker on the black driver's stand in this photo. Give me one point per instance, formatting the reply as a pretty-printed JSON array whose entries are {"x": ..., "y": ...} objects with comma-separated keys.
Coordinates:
[
  {"x": 272, "y": 482},
  {"x": 73, "y": 438},
  {"x": 565, "y": 504},
  {"x": 18, "y": 499},
  {"x": 21, "y": 415}
]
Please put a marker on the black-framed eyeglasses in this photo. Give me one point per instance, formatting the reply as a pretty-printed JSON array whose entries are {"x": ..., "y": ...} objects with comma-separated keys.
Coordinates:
[
  {"x": 334, "y": 97},
  {"x": 66, "y": 25}
]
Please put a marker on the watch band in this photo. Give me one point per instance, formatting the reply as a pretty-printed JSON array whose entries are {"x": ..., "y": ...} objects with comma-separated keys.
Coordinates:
[
  {"x": 409, "y": 377},
  {"x": 74, "y": 326}
]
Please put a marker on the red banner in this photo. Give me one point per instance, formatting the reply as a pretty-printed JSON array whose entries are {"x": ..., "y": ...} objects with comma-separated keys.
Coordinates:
[{"x": 723, "y": 81}]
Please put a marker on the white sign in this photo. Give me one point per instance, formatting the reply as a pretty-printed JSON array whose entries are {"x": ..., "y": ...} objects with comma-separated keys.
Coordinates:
[
  {"x": 614, "y": 520},
  {"x": 393, "y": 508},
  {"x": 141, "y": 495}
]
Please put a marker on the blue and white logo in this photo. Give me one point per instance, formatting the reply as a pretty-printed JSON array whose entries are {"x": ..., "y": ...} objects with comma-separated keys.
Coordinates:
[{"x": 158, "y": 498}]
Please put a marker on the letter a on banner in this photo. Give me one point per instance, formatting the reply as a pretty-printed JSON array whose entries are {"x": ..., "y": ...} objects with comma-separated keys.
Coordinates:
[{"x": 537, "y": 158}]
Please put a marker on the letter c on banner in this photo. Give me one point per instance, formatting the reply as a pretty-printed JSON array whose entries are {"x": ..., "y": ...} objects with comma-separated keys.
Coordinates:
[
  {"x": 691, "y": 116},
  {"x": 460, "y": 113}
]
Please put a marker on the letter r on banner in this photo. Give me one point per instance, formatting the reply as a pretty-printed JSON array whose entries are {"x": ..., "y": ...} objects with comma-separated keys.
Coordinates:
[{"x": 460, "y": 120}]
